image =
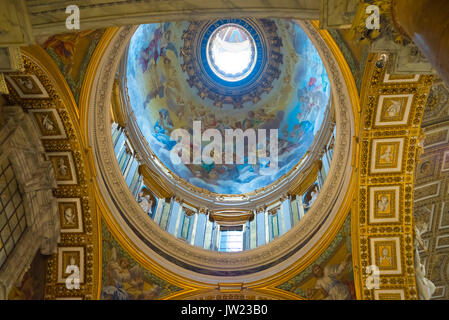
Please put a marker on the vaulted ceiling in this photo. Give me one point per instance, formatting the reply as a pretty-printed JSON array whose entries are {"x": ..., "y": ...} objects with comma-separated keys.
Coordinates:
[{"x": 389, "y": 173}]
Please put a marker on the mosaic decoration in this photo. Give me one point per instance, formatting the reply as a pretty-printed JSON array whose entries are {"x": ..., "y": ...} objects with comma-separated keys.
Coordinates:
[
  {"x": 72, "y": 52},
  {"x": 162, "y": 100},
  {"x": 330, "y": 277},
  {"x": 125, "y": 279}
]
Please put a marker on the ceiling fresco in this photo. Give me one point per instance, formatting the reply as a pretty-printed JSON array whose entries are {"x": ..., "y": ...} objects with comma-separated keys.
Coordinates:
[
  {"x": 72, "y": 53},
  {"x": 163, "y": 99}
]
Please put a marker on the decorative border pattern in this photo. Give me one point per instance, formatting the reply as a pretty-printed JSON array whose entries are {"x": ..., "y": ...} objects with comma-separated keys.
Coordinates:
[{"x": 387, "y": 161}]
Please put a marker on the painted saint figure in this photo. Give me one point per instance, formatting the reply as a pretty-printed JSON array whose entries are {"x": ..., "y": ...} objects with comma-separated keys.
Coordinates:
[{"x": 328, "y": 283}]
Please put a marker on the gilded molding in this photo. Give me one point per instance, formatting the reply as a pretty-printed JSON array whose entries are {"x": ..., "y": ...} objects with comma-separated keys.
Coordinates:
[
  {"x": 338, "y": 179},
  {"x": 300, "y": 186},
  {"x": 83, "y": 242},
  {"x": 154, "y": 182},
  {"x": 116, "y": 104},
  {"x": 393, "y": 107}
]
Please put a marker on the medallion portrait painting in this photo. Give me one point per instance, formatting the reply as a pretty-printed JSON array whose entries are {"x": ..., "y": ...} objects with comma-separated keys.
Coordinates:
[
  {"x": 331, "y": 276},
  {"x": 164, "y": 97}
]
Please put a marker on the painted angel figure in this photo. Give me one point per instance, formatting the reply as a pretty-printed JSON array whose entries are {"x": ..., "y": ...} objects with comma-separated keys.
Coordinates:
[
  {"x": 162, "y": 129},
  {"x": 328, "y": 283},
  {"x": 62, "y": 168}
]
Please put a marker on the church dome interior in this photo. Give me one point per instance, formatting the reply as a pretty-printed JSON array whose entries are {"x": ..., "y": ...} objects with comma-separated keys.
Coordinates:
[
  {"x": 171, "y": 81},
  {"x": 163, "y": 98},
  {"x": 288, "y": 150}
]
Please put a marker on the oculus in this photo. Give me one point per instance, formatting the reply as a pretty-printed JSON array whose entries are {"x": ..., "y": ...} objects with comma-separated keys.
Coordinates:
[
  {"x": 231, "y": 52},
  {"x": 232, "y": 62}
]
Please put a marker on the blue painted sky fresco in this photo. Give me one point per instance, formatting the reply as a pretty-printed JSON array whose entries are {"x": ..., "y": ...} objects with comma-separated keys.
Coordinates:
[{"x": 162, "y": 101}]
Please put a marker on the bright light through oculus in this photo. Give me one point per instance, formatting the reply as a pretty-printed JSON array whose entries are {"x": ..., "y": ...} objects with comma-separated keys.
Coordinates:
[{"x": 231, "y": 52}]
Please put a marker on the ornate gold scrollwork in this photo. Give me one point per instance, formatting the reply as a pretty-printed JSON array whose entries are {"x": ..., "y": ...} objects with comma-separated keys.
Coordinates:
[
  {"x": 301, "y": 185},
  {"x": 154, "y": 182}
]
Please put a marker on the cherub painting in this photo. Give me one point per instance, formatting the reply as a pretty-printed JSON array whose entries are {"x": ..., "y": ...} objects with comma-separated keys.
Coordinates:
[
  {"x": 330, "y": 276},
  {"x": 163, "y": 99}
]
